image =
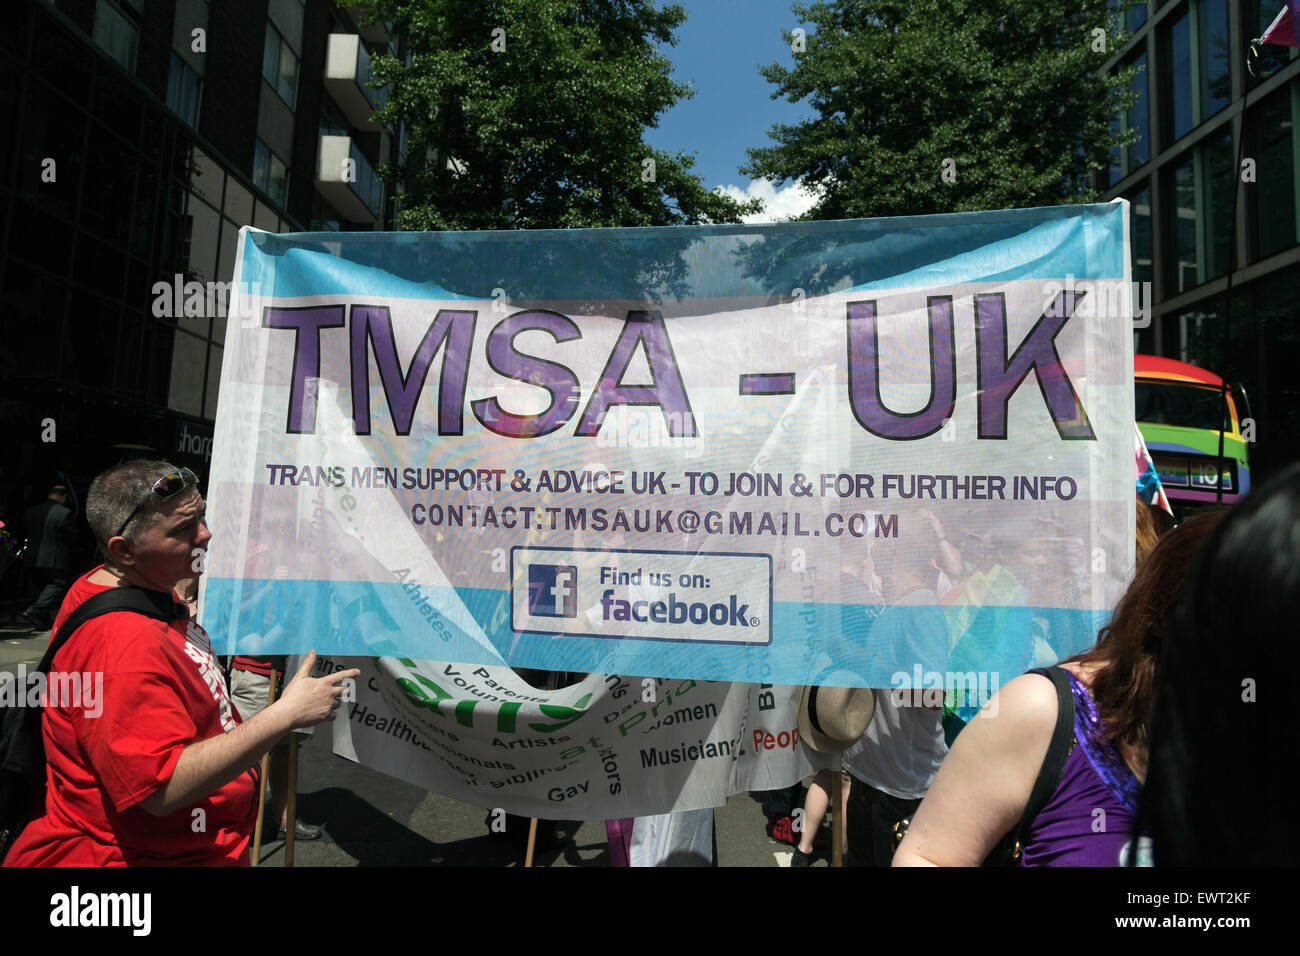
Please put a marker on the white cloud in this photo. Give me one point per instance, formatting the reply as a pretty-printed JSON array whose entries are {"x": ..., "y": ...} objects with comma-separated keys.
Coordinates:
[{"x": 793, "y": 200}]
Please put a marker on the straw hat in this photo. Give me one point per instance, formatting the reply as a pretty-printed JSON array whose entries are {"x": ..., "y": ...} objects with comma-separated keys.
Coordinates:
[{"x": 832, "y": 719}]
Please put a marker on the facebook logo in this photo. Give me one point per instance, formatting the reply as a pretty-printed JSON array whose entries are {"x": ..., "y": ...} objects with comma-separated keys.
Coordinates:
[{"x": 553, "y": 590}]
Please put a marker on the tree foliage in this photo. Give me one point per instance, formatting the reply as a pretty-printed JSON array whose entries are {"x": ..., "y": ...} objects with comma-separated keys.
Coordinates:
[
  {"x": 531, "y": 114},
  {"x": 929, "y": 106}
]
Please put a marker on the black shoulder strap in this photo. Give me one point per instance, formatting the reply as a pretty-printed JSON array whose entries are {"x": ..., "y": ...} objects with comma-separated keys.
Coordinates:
[
  {"x": 154, "y": 604},
  {"x": 1049, "y": 775}
]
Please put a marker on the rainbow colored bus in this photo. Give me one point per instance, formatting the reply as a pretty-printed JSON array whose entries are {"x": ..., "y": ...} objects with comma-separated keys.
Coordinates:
[{"x": 1179, "y": 408}]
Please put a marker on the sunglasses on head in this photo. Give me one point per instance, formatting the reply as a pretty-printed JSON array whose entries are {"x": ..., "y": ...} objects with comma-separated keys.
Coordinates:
[{"x": 168, "y": 486}]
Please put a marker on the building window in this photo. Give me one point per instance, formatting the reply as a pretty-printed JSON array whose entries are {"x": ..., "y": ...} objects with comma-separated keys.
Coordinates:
[
  {"x": 1183, "y": 233},
  {"x": 270, "y": 174},
  {"x": 185, "y": 393},
  {"x": 1274, "y": 190},
  {"x": 1196, "y": 75},
  {"x": 1177, "y": 60},
  {"x": 1133, "y": 14},
  {"x": 1125, "y": 160},
  {"x": 213, "y": 382},
  {"x": 117, "y": 34},
  {"x": 1140, "y": 233},
  {"x": 184, "y": 90},
  {"x": 280, "y": 66},
  {"x": 1200, "y": 221},
  {"x": 1217, "y": 160},
  {"x": 332, "y": 121},
  {"x": 1213, "y": 72}
]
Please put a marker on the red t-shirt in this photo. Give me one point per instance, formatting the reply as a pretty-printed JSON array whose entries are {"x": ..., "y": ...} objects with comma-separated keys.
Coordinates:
[{"x": 112, "y": 747}]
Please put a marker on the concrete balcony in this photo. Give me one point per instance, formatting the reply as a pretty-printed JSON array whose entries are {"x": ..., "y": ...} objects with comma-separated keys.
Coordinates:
[
  {"x": 381, "y": 32},
  {"x": 347, "y": 78},
  {"x": 347, "y": 180}
]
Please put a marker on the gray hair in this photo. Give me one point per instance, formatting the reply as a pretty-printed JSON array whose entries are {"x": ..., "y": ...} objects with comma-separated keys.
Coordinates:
[{"x": 114, "y": 494}]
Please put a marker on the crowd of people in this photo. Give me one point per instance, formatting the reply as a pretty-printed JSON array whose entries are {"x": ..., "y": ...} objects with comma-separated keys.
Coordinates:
[{"x": 1121, "y": 755}]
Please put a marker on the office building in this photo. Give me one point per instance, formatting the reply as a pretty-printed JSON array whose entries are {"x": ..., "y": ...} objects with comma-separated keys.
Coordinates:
[
  {"x": 142, "y": 136},
  {"x": 1213, "y": 121}
]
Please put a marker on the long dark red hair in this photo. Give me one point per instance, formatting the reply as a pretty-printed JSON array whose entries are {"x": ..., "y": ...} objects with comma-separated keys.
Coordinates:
[{"x": 1127, "y": 648}]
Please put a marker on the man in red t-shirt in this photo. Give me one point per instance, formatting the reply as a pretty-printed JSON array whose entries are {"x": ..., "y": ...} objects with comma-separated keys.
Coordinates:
[{"x": 152, "y": 765}]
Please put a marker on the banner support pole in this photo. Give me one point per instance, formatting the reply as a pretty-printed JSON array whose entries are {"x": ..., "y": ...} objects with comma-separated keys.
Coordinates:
[
  {"x": 262, "y": 780},
  {"x": 291, "y": 808},
  {"x": 532, "y": 841},
  {"x": 837, "y": 818}
]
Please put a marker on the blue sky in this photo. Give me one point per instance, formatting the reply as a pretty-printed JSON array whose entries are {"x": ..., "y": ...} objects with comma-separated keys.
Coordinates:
[{"x": 718, "y": 52}]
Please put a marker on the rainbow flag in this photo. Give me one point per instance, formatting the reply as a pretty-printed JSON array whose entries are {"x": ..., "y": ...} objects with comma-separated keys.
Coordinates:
[
  {"x": 1285, "y": 29},
  {"x": 1149, "y": 488}
]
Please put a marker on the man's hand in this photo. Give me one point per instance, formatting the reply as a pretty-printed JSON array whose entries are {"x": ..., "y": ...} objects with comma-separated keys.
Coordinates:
[
  {"x": 307, "y": 700},
  {"x": 206, "y": 766}
]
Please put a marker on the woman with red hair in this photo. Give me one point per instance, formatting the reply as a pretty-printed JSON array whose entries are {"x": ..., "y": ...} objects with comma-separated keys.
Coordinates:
[{"x": 981, "y": 792}]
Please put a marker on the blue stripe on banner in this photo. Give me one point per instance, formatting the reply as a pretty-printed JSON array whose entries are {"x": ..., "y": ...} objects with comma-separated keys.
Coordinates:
[
  {"x": 395, "y": 620},
  {"x": 732, "y": 261}
]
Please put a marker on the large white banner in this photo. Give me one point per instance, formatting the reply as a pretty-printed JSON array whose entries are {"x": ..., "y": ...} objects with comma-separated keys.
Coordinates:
[
  {"x": 714, "y": 453},
  {"x": 884, "y": 453}
]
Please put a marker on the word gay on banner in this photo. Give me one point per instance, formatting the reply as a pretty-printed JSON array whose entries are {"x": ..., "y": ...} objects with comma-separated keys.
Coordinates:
[
  {"x": 793, "y": 453},
  {"x": 610, "y": 746}
]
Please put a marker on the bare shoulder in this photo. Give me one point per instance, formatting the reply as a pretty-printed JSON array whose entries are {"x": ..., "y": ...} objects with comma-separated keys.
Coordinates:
[
  {"x": 986, "y": 779},
  {"x": 1015, "y": 726},
  {"x": 1024, "y": 702}
]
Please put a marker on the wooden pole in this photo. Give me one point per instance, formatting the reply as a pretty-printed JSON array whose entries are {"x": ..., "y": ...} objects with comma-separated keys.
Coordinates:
[
  {"x": 837, "y": 819},
  {"x": 261, "y": 796},
  {"x": 291, "y": 808},
  {"x": 532, "y": 841},
  {"x": 552, "y": 681}
]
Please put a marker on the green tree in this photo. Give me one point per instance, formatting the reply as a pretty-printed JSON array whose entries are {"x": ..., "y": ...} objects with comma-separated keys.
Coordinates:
[
  {"x": 929, "y": 106},
  {"x": 531, "y": 113}
]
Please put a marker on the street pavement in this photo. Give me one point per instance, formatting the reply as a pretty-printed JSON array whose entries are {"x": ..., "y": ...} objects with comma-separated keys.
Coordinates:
[{"x": 372, "y": 819}]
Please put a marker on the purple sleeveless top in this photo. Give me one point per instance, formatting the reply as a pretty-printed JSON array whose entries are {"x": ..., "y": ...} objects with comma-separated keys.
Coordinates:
[{"x": 1089, "y": 819}]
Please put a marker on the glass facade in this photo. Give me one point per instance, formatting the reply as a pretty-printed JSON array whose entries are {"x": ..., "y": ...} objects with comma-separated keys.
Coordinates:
[
  {"x": 1214, "y": 182},
  {"x": 100, "y": 238},
  {"x": 120, "y": 231},
  {"x": 123, "y": 186}
]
